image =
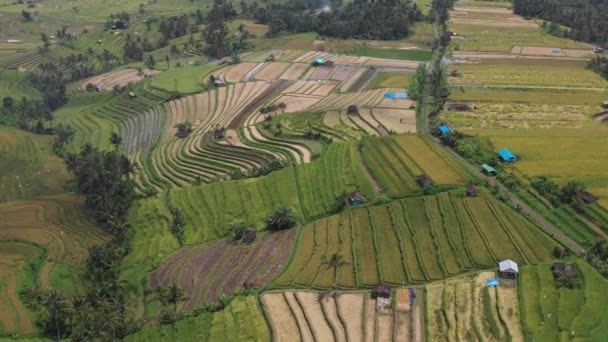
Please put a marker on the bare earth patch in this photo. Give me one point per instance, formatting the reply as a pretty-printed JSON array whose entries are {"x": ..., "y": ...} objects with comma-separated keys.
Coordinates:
[
  {"x": 297, "y": 103},
  {"x": 294, "y": 71},
  {"x": 271, "y": 71}
]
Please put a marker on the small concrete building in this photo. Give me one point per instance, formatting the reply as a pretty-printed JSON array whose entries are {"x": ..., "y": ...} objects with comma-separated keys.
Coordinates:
[
  {"x": 508, "y": 269},
  {"x": 381, "y": 291},
  {"x": 355, "y": 198}
]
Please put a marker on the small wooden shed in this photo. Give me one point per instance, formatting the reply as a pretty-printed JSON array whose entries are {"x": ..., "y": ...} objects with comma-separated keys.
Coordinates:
[
  {"x": 587, "y": 197},
  {"x": 381, "y": 291},
  {"x": 605, "y": 104},
  {"x": 471, "y": 190},
  {"x": 508, "y": 269},
  {"x": 458, "y": 106},
  {"x": 424, "y": 181},
  {"x": 355, "y": 198}
]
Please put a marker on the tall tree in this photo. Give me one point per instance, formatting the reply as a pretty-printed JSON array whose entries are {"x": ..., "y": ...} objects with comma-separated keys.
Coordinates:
[{"x": 216, "y": 31}]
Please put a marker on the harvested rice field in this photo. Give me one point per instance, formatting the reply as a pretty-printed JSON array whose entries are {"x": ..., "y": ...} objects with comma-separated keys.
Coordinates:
[{"x": 341, "y": 316}]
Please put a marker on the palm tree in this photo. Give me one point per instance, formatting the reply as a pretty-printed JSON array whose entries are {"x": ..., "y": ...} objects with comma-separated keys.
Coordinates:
[
  {"x": 71, "y": 162},
  {"x": 175, "y": 294},
  {"x": 59, "y": 311},
  {"x": 115, "y": 140},
  {"x": 335, "y": 261}
]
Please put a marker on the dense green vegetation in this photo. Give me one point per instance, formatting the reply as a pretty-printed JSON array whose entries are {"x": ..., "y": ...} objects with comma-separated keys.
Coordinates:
[{"x": 586, "y": 18}]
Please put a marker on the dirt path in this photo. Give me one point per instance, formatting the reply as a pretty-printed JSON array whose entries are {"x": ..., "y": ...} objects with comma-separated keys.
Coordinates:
[
  {"x": 369, "y": 175},
  {"x": 542, "y": 222}
]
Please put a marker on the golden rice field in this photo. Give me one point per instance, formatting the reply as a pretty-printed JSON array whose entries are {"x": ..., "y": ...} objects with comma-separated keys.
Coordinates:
[
  {"x": 563, "y": 154},
  {"x": 534, "y": 75},
  {"x": 489, "y": 115}
]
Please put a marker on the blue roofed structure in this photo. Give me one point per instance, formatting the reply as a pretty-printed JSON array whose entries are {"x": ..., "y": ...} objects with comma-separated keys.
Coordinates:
[
  {"x": 318, "y": 61},
  {"x": 506, "y": 155},
  {"x": 444, "y": 129},
  {"x": 396, "y": 96}
]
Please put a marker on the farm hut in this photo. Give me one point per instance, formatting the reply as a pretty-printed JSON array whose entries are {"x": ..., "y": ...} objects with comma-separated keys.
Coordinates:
[
  {"x": 355, "y": 198},
  {"x": 598, "y": 50},
  {"x": 424, "y": 180},
  {"x": 249, "y": 236},
  {"x": 318, "y": 61},
  {"x": 587, "y": 197},
  {"x": 458, "y": 106},
  {"x": 488, "y": 170},
  {"x": 218, "y": 82},
  {"x": 381, "y": 291},
  {"x": 605, "y": 104},
  {"x": 270, "y": 58},
  {"x": 352, "y": 109},
  {"x": 451, "y": 33},
  {"x": 471, "y": 190},
  {"x": 454, "y": 73},
  {"x": 508, "y": 269},
  {"x": 444, "y": 129},
  {"x": 132, "y": 94},
  {"x": 506, "y": 155}
]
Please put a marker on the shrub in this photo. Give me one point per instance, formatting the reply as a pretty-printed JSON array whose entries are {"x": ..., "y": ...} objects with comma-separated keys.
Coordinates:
[{"x": 282, "y": 218}]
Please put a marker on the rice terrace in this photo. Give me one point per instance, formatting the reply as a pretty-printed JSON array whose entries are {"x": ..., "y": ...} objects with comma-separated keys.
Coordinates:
[{"x": 305, "y": 170}]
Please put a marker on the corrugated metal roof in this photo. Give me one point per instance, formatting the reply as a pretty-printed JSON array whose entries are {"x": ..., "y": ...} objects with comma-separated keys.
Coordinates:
[
  {"x": 506, "y": 155},
  {"x": 508, "y": 265}
]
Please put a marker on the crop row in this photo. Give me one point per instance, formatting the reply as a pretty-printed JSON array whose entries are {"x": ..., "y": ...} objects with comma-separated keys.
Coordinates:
[
  {"x": 207, "y": 272},
  {"x": 463, "y": 308},
  {"x": 412, "y": 240}
]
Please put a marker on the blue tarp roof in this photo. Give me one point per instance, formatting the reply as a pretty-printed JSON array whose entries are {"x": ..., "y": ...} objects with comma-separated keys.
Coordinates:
[
  {"x": 444, "y": 129},
  {"x": 319, "y": 60},
  {"x": 506, "y": 155},
  {"x": 492, "y": 282},
  {"x": 395, "y": 96},
  {"x": 556, "y": 51}
]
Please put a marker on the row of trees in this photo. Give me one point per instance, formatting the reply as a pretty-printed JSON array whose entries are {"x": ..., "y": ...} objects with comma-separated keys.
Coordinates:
[
  {"x": 600, "y": 66},
  {"x": 364, "y": 19},
  {"x": 567, "y": 194},
  {"x": 101, "y": 314},
  {"x": 587, "y": 19}
]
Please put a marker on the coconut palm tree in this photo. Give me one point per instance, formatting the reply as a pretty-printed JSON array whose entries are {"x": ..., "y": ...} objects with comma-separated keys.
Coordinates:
[{"x": 115, "y": 140}]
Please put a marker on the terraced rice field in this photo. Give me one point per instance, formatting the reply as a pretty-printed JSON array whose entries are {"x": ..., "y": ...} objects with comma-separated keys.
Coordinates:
[
  {"x": 48, "y": 236},
  {"x": 120, "y": 77},
  {"x": 311, "y": 190},
  {"x": 464, "y": 309},
  {"x": 16, "y": 84},
  {"x": 29, "y": 167},
  {"x": 208, "y": 272},
  {"x": 397, "y": 161},
  {"x": 337, "y": 316},
  {"x": 412, "y": 241},
  {"x": 240, "y": 320},
  {"x": 551, "y": 314},
  {"x": 180, "y": 162},
  {"x": 30, "y": 60}
]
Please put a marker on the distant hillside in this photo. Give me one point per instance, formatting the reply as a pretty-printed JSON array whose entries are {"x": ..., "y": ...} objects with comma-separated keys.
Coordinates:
[{"x": 587, "y": 18}]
